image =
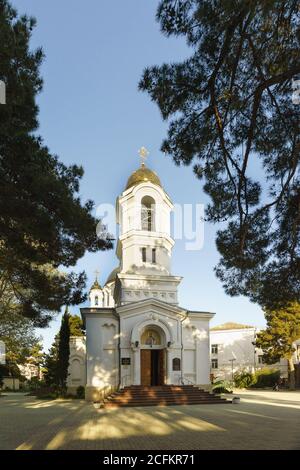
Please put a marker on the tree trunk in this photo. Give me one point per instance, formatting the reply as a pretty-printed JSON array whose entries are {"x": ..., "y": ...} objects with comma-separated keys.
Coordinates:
[{"x": 291, "y": 373}]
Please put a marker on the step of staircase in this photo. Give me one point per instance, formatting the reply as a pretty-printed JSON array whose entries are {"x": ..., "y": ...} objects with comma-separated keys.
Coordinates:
[{"x": 164, "y": 395}]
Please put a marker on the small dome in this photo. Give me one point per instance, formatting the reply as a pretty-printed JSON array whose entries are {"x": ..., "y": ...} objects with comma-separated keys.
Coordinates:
[
  {"x": 96, "y": 285},
  {"x": 143, "y": 175},
  {"x": 113, "y": 275}
]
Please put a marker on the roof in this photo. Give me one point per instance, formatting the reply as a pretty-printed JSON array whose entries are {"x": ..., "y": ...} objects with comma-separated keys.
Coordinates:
[
  {"x": 231, "y": 326},
  {"x": 96, "y": 285},
  {"x": 113, "y": 275},
  {"x": 142, "y": 175}
]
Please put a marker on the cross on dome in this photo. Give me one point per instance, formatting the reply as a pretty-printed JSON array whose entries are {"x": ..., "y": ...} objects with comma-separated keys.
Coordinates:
[{"x": 143, "y": 153}]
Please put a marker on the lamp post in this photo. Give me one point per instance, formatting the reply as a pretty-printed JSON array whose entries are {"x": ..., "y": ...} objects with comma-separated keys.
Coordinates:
[{"x": 232, "y": 361}]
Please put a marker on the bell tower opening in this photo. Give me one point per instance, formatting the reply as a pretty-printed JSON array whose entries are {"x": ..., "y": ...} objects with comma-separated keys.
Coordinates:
[{"x": 148, "y": 214}]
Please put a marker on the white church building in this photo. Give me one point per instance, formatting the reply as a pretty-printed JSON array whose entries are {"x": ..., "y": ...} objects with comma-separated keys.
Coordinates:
[{"x": 136, "y": 331}]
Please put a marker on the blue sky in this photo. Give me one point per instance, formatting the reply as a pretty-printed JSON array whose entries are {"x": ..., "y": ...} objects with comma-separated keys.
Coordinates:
[{"x": 92, "y": 114}]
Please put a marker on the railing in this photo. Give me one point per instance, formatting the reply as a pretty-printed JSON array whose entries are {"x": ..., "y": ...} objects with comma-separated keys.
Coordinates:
[
  {"x": 183, "y": 379},
  {"x": 124, "y": 380}
]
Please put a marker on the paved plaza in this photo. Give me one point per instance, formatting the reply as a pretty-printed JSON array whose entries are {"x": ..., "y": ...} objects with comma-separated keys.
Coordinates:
[{"x": 263, "y": 420}]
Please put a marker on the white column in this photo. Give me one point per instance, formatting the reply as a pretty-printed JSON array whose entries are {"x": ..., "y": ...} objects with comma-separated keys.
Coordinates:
[
  {"x": 169, "y": 366},
  {"x": 137, "y": 366}
]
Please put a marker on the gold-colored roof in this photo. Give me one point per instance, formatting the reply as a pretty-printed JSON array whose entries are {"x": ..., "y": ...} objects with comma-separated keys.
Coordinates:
[
  {"x": 96, "y": 285},
  {"x": 142, "y": 175},
  {"x": 113, "y": 275}
]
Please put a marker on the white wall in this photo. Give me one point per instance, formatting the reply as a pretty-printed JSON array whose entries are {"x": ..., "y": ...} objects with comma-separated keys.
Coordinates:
[
  {"x": 102, "y": 336},
  {"x": 238, "y": 344},
  {"x": 77, "y": 363}
]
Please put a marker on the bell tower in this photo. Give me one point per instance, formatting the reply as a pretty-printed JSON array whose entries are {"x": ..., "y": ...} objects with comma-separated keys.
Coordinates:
[{"x": 145, "y": 244}]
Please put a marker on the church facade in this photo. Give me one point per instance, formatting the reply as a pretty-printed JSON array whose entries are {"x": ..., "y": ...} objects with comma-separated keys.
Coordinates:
[{"x": 136, "y": 331}]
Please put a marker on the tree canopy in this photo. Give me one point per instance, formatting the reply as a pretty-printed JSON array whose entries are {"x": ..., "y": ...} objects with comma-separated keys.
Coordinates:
[
  {"x": 76, "y": 325},
  {"x": 63, "y": 352},
  {"x": 231, "y": 112},
  {"x": 44, "y": 224},
  {"x": 16, "y": 331},
  {"x": 278, "y": 339},
  {"x": 56, "y": 361}
]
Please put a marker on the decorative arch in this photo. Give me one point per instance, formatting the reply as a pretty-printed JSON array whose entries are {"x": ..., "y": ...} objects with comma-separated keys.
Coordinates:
[
  {"x": 148, "y": 213},
  {"x": 75, "y": 368},
  {"x": 158, "y": 324}
]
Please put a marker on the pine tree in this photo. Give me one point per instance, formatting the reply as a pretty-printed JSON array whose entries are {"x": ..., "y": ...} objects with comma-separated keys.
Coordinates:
[
  {"x": 277, "y": 340},
  {"x": 63, "y": 352},
  {"x": 44, "y": 224},
  {"x": 50, "y": 365},
  {"x": 56, "y": 362},
  {"x": 233, "y": 113},
  {"x": 76, "y": 326}
]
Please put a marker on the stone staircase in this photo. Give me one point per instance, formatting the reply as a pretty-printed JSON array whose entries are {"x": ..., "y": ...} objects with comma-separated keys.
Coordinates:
[{"x": 164, "y": 395}]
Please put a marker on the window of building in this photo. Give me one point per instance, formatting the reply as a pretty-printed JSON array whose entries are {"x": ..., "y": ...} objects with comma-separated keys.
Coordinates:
[
  {"x": 153, "y": 255},
  {"x": 148, "y": 214},
  {"x": 96, "y": 300},
  {"x": 144, "y": 259},
  {"x": 214, "y": 363},
  {"x": 214, "y": 349},
  {"x": 260, "y": 359},
  {"x": 176, "y": 363}
]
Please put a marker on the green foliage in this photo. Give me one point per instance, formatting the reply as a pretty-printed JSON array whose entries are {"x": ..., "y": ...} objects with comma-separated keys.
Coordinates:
[
  {"x": 80, "y": 392},
  {"x": 46, "y": 393},
  {"x": 243, "y": 379},
  {"x": 16, "y": 332},
  {"x": 76, "y": 326},
  {"x": 57, "y": 360},
  {"x": 262, "y": 378},
  {"x": 34, "y": 383},
  {"x": 10, "y": 369},
  {"x": 230, "y": 112},
  {"x": 50, "y": 365},
  {"x": 266, "y": 378},
  {"x": 63, "y": 352},
  {"x": 276, "y": 341},
  {"x": 43, "y": 222},
  {"x": 222, "y": 386}
]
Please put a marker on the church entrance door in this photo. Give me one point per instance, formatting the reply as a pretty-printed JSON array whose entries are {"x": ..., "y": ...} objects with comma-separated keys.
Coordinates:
[{"x": 152, "y": 367}]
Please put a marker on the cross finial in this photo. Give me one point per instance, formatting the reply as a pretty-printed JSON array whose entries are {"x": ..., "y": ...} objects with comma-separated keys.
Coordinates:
[
  {"x": 143, "y": 153},
  {"x": 96, "y": 274}
]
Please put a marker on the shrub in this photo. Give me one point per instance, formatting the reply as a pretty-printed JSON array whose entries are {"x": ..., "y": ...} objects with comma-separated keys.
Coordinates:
[
  {"x": 45, "y": 393},
  {"x": 243, "y": 379},
  {"x": 222, "y": 386},
  {"x": 34, "y": 383},
  {"x": 266, "y": 378},
  {"x": 80, "y": 392}
]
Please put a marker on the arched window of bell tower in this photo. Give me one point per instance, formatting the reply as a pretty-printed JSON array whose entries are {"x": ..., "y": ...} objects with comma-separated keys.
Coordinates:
[{"x": 148, "y": 214}]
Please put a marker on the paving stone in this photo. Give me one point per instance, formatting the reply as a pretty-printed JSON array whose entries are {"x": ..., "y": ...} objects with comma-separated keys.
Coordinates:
[{"x": 263, "y": 420}]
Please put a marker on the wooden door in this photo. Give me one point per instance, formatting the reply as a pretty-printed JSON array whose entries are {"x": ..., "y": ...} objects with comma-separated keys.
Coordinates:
[
  {"x": 145, "y": 367},
  {"x": 161, "y": 367}
]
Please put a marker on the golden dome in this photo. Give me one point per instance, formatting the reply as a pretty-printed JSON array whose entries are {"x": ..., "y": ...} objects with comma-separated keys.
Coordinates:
[
  {"x": 142, "y": 175},
  {"x": 96, "y": 285},
  {"x": 113, "y": 275}
]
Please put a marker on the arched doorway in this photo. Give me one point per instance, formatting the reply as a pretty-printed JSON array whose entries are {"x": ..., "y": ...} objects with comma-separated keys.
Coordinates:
[{"x": 153, "y": 356}]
